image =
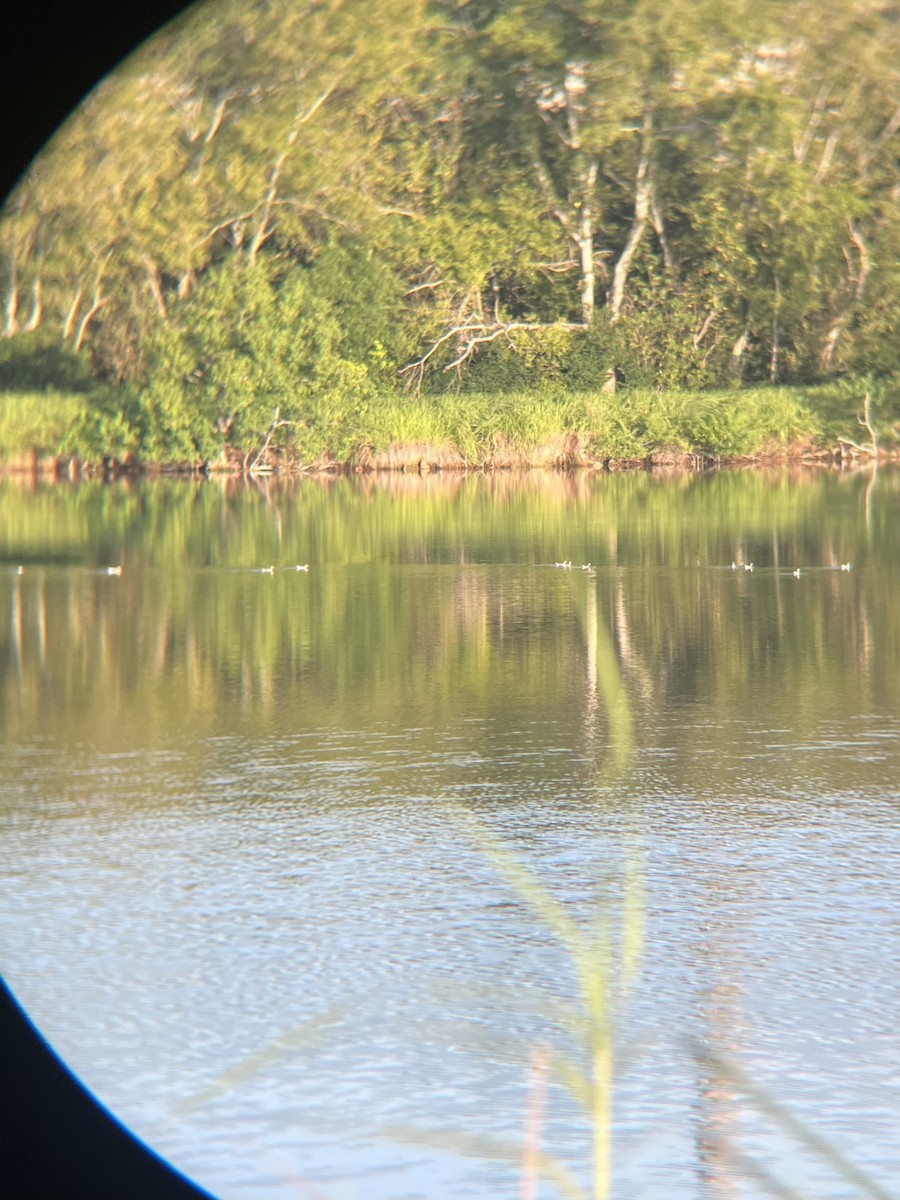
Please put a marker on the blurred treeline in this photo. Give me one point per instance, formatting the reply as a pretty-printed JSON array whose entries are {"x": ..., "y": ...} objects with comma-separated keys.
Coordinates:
[{"x": 275, "y": 214}]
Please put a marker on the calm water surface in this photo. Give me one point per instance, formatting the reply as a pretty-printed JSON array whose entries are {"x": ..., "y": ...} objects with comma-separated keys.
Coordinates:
[{"x": 241, "y": 895}]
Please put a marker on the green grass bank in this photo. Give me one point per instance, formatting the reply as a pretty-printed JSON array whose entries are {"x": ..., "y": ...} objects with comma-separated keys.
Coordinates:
[{"x": 57, "y": 430}]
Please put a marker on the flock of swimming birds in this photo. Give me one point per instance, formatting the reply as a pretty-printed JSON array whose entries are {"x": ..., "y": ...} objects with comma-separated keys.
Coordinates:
[
  {"x": 565, "y": 565},
  {"x": 796, "y": 573}
]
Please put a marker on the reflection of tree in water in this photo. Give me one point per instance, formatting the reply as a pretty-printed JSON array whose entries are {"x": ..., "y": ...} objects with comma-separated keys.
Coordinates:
[
  {"x": 681, "y": 624},
  {"x": 717, "y": 1107},
  {"x": 437, "y": 598}
]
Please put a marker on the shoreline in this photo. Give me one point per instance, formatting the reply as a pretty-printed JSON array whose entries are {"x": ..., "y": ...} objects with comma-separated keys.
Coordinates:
[{"x": 424, "y": 460}]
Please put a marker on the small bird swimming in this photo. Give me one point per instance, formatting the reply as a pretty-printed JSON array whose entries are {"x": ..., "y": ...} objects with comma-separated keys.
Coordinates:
[
  {"x": 304, "y": 567},
  {"x": 114, "y": 570},
  {"x": 565, "y": 564},
  {"x": 796, "y": 573},
  {"x": 267, "y": 570},
  {"x": 748, "y": 566},
  {"x": 844, "y": 567}
]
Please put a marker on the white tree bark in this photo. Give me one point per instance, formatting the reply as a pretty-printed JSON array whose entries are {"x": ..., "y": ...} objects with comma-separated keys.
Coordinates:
[
  {"x": 643, "y": 201},
  {"x": 263, "y": 228},
  {"x": 588, "y": 288},
  {"x": 11, "y": 300},
  {"x": 857, "y": 274},
  {"x": 37, "y": 304}
]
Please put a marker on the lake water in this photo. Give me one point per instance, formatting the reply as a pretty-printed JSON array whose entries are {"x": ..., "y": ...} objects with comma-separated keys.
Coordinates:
[{"x": 260, "y": 829}]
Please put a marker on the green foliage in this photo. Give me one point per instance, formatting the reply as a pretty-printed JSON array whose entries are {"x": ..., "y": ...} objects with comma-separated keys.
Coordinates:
[
  {"x": 633, "y": 423},
  {"x": 872, "y": 336},
  {"x": 256, "y": 346},
  {"x": 535, "y": 360},
  {"x": 70, "y": 424},
  {"x": 667, "y": 340},
  {"x": 244, "y": 227},
  {"x": 37, "y": 422}
]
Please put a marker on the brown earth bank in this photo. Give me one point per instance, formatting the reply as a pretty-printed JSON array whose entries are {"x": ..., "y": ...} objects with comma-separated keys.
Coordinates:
[{"x": 568, "y": 453}]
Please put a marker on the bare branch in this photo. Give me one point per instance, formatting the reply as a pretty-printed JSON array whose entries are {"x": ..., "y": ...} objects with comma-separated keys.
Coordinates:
[
  {"x": 886, "y": 134},
  {"x": 400, "y": 212},
  {"x": 234, "y": 220},
  {"x": 801, "y": 149},
  {"x": 552, "y": 125},
  {"x": 217, "y": 117},
  {"x": 477, "y": 333},
  {"x": 99, "y": 299},
  {"x": 864, "y": 261},
  {"x": 258, "y": 467},
  {"x": 264, "y": 229},
  {"x": 704, "y": 328},
  {"x": 557, "y": 268},
  {"x": 827, "y": 155},
  {"x": 857, "y": 274},
  {"x": 614, "y": 178},
  {"x": 421, "y": 287}
]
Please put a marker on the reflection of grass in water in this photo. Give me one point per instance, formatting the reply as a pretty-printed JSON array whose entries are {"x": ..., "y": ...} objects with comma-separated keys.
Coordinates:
[
  {"x": 605, "y": 968},
  {"x": 604, "y": 978},
  {"x": 301, "y": 1037}
]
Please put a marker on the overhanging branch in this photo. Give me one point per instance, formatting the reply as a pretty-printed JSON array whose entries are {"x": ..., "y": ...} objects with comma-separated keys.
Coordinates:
[{"x": 474, "y": 334}]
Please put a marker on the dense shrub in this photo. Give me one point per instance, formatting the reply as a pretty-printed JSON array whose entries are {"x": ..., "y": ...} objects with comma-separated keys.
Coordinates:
[{"x": 309, "y": 344}]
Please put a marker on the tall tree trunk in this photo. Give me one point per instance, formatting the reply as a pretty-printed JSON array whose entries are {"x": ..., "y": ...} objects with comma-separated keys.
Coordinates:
[
  {"x": 858, "y": 275},
  {"x": 774, "y": 363},
  {"x": 155, "y": 286},
  {"x": 643, "y": 198},
  {"x": 264, "y": 229},
  {"x": 737, "y": 353},
  {"x": 96, "y": 304},
  {"x": 71, "y": 314},
  {"x": 586, "y": 243},
  {"x": 11, "y": 302},
  {"x": 37, "y": 305},
  {"x": 660, "y": 230},
  {"x": 98, "y": 301}
]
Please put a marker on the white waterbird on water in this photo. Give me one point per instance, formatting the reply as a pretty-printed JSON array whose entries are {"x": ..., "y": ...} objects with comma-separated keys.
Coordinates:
[
  {"x": 796, "y": 573},
  {"x": 845, "y": 566},
  {"x": 304, "y": 567},
  {"x": 114, "y": 570}
]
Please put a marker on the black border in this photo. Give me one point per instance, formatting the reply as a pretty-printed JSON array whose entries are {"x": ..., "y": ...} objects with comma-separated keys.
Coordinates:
[
  {"x": 57, "y": 1142},
  {"x": 54, "y": 53}
]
